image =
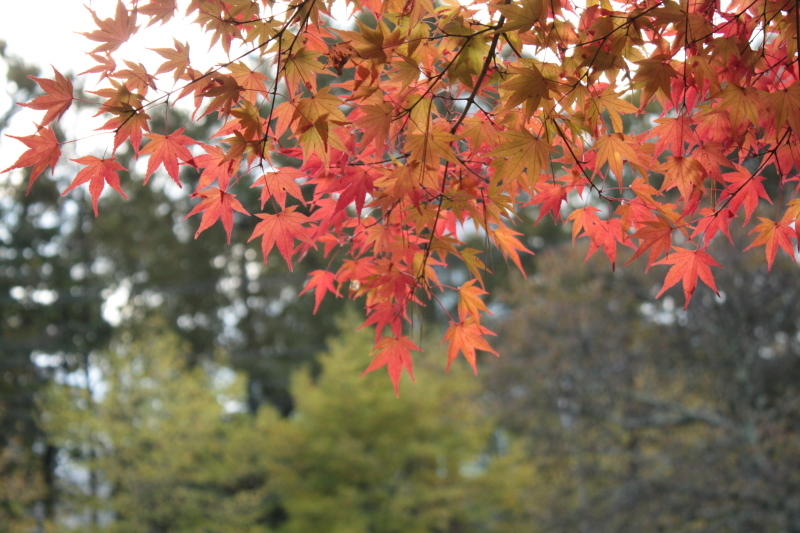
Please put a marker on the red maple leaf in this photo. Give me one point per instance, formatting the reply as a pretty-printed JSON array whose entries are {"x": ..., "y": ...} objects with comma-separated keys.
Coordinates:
[
  {"x": 281, "y": 230},
  {"x": 550, "y": 196},
  {"x": 98, "y": 172},
  {"x": 466, "y": 337},
  {"x": 217, "y": 204},
  {"x": 167, "y": 149},
  {"x": 688, "y": 265},
  {"x": 384, "y": 314},
  {"x": 43, "y": 151},
  {"x": 745, "y": 189},
  {"x": 395, "y": 354},
  {"x": 56, "y": 101},
  {"x": 712, "y": 222},
  {"x": 322, "y": 282}
]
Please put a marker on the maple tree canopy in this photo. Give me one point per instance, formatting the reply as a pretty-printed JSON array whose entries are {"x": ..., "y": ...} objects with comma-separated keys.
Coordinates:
[{"x": 427, "y": 119}]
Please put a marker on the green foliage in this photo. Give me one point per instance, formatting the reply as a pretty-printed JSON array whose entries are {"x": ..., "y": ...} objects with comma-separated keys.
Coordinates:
[
  {"x": 161, "y": 451},
  {"x": 357, "y": 459},
  {"x": 150, "y": 446}
]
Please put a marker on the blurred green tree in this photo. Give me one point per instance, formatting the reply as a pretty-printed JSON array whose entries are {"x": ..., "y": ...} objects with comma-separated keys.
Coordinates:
[
  {"x": 354, "y": 458},
  {"x": 151, "y": 445},
  {"x": 640, "y": 416}
]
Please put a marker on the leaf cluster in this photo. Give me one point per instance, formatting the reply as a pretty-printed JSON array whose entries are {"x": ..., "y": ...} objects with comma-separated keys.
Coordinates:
[{"x": 423, "y": 123}]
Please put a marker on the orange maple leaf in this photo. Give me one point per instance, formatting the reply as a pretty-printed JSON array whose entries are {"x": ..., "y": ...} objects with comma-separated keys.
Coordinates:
[
  {"x": 113, "y": 33},
  {"x": 656, "y": 236},
  {"x": 167, "y": 149},
  {"x": 217, "y": 166},
  {"x": 466, "y": 337},
  {"x": 128, "y": 124},
  {"x": 281, "y": 230},
  {"x": 217, "y": 204},
  {"x": 470, "y": 304},
  {"x": 506, "y": 240},
  {"x": 43, "y": 151},
  {"x": 56, "y": 101},
  {"x": 278, "y": 184},
  {"x": 98, "y": 172},
  {"x": 177, "y": 59},
  {"x": 688, "y": 265},
  {"x": 773, "y": 234},
  {"x": 395, "y": 354},
  {"x": 159, "y": 11}
]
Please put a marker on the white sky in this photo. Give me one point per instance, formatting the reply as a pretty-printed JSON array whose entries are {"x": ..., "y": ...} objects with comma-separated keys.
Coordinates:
[
  {"x": 47, "y": 32},
  {"x": 54, "y": 38}
]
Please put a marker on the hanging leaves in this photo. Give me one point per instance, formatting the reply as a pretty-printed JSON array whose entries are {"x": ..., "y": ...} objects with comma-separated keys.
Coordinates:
[{"x": 384, "y": 141}]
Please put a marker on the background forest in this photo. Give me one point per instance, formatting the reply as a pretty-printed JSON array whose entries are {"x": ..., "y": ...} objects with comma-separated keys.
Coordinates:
[{"x": 141, "y": 391}]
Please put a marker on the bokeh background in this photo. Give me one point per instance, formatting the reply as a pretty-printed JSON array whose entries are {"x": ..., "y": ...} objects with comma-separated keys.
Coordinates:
[{"x": 150, "y": 382}]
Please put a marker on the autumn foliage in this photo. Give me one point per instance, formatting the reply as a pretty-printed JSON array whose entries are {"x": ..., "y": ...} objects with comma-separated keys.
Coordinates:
[{"x": 429, "y": 121}]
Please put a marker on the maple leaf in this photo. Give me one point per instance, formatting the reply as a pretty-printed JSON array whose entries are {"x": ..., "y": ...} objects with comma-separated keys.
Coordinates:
[
  {"x": 113, "y": 32},
  {"x": 773, "y": 235},
  {"x": 505, "y": 239},
  {"x": 528, "y": 86},
  {"x": 685, "y": 173},
  {"x": 673, "y": 134},
  {"x": 167, "y": 150},
  {"x": 128, "y": 124},
  {"x": 615, "y": 107},
  {"x": 217, "y": 204},
  {"x": 395, "y": 354},
  {"x": 322, "y": 282},
  {"x": 744, "y": 190},
  {"x": 521, "y": 15},
  {"x": 217, "y": 166},
  {"x": 281, "y": 230},
  {"x": 225, "y": 92},
  {"x": 522, "y": 150},
  {"x": 612, "y": 149},
  {"x": 177, "y": 59},
  {"x": 470, "y": 304},
  {"x": 105, "y": 65},
  {"x": 278, "y": 184},
  {"x": 712, "y": 222},
  {"x": 382, "y": 314},
  {"x": 792, "y": 215},
  {"x": 606, "y": 234},
  {"x": 687, "y": 266},
  {"x": 57, "y": 100},
  {"x": 43, "y": 151},
  {"x": 550, "y": 196},
  {"x": 357, "y": 185},
  {"x": 159, "y": 11},
  {"x": 466, "y": 337},
  {"x": 656, "y": 236},
  {"x": 98, "y": 172},
  {"x": 653, "y": 76},
  {"x": 786, "y": 104},
  {"x": 375, "y": 121}
]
